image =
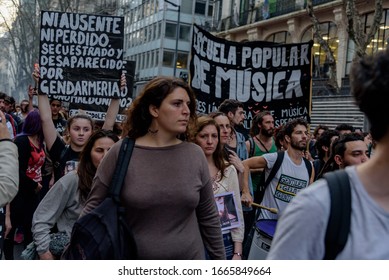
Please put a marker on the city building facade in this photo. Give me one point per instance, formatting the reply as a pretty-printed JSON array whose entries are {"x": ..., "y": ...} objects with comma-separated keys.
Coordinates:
[
  {"x": 287, "y": 21},
  {"x": 158, "y": 35}
]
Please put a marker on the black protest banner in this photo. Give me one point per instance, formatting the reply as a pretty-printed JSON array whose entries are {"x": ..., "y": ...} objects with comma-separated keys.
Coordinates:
[
  {"x": 81, "y": 56},
  {"x": 98, "y": 110},
  {"x": 262, "y": 75}
]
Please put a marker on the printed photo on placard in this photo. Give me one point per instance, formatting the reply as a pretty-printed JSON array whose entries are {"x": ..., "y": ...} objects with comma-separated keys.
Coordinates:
[{"x": 228, "y": 211}]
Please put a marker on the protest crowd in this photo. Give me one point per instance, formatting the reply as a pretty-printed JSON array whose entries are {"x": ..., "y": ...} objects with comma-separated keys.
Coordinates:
[{"x": 196, "y": 186}]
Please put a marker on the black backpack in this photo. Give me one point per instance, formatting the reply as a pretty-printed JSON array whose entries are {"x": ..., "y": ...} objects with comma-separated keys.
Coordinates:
[
  {"x": 103, "y": 234},
  {"x": 252, "y": 147},
  {"x": 262, "y": 185},
  {"x": 339, "y": 222}
]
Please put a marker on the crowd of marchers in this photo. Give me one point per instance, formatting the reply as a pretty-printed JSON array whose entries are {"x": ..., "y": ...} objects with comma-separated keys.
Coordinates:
[{"x": 196, "y": 187}]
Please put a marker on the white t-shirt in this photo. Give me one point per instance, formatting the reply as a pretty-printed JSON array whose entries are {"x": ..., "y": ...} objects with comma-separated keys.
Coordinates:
[
  {"x": 10, "y": 129},
  {"x": 301, "y": 229},
  {"x": 288, "y": 181}
]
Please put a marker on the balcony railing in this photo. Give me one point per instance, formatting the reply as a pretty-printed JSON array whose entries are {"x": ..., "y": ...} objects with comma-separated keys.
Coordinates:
[{"x": 256, "y": 14}]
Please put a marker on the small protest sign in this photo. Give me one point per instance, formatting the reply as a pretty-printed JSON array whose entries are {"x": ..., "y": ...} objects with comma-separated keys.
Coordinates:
[
  {"x": 228, "y": 212},
  {"x": 81, "y": 59}
]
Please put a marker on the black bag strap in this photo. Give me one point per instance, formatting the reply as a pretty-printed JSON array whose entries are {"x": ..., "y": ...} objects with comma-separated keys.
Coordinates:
[
  {"x": 62, "y": 156},
  {"x": 121, "y": 168},
  {"x": 276, "y": 167},
  {"x": 263, "y": 145},
  {"x": 308, "y": 165},
  {"x": 252, "y": 147},
  {"x": 338, "y": 226}
]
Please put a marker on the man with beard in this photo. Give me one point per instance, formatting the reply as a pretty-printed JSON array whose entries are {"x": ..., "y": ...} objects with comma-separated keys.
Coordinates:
[
  {"x": 349, "y": 149},
  {"x": 233, "y": 109},
  {"x": 293, "y": 174},
  {"x": 261, "y": 142},
  {"x": 366, "y": 216}
]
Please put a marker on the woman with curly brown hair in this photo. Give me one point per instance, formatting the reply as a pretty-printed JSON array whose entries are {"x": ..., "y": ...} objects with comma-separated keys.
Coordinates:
[{"x": 167, "y": 191}]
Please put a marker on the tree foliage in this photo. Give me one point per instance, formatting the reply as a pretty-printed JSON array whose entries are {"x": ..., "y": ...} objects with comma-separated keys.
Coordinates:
[
  {"x": 20, "y": 35},
  {"x": 21, "y": 38},
  {"x": 356, "y": 27},
  {"x": 356, "y": 31}
]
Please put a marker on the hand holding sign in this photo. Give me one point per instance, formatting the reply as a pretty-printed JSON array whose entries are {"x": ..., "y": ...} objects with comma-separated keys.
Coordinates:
[{"x": 123, "y": 81}]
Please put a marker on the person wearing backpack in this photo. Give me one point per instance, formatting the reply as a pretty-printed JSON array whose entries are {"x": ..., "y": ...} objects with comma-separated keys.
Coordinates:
[
  {"x": 363, "y": 196},
  {"x": 167, "y": 191},
  {"x": 294, "y": 174},
  {"x": 260, "y": 142}
]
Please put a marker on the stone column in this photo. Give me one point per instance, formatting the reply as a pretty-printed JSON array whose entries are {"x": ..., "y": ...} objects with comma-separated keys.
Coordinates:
[
  {"x": 252, "y": 34},
  {"x": 293, "y": 26},
  {"x": 340, "y": 21}
]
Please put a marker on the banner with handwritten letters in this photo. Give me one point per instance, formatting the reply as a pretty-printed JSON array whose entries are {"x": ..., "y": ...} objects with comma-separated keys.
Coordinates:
[
  {"x": 98, "y": 110},
  {"x": 81, "y": 59},
  {"x": 262, "y": 75}
]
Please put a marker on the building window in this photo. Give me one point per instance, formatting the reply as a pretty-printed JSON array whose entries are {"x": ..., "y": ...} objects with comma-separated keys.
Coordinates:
[
  {"x": 152, "y": 59},
  {"x": 168, "y": 59},
  {"x": 146, "y": 63},
  {"x": 200, "y": 8},
  {"x": 282, "y": 37},
  {"x": 147, "y": 9},
  {"x": 141, "y": 36},
  {"x": 187, "y": 7},
  {"x": 320, "y": 60},
  {"x": 157, "y": 58},
  {"x": 170, "y": 30},
  {"x": 141, "y": 64},
  {"x": 379, "y": 42},
  {"x": 137, "y": 66},
  {"x": 158, "y": 30},
  {"x": 182, "y": 61},
  {"x": 210, "y": 10},
  {"x": 185, "y": 33}
]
